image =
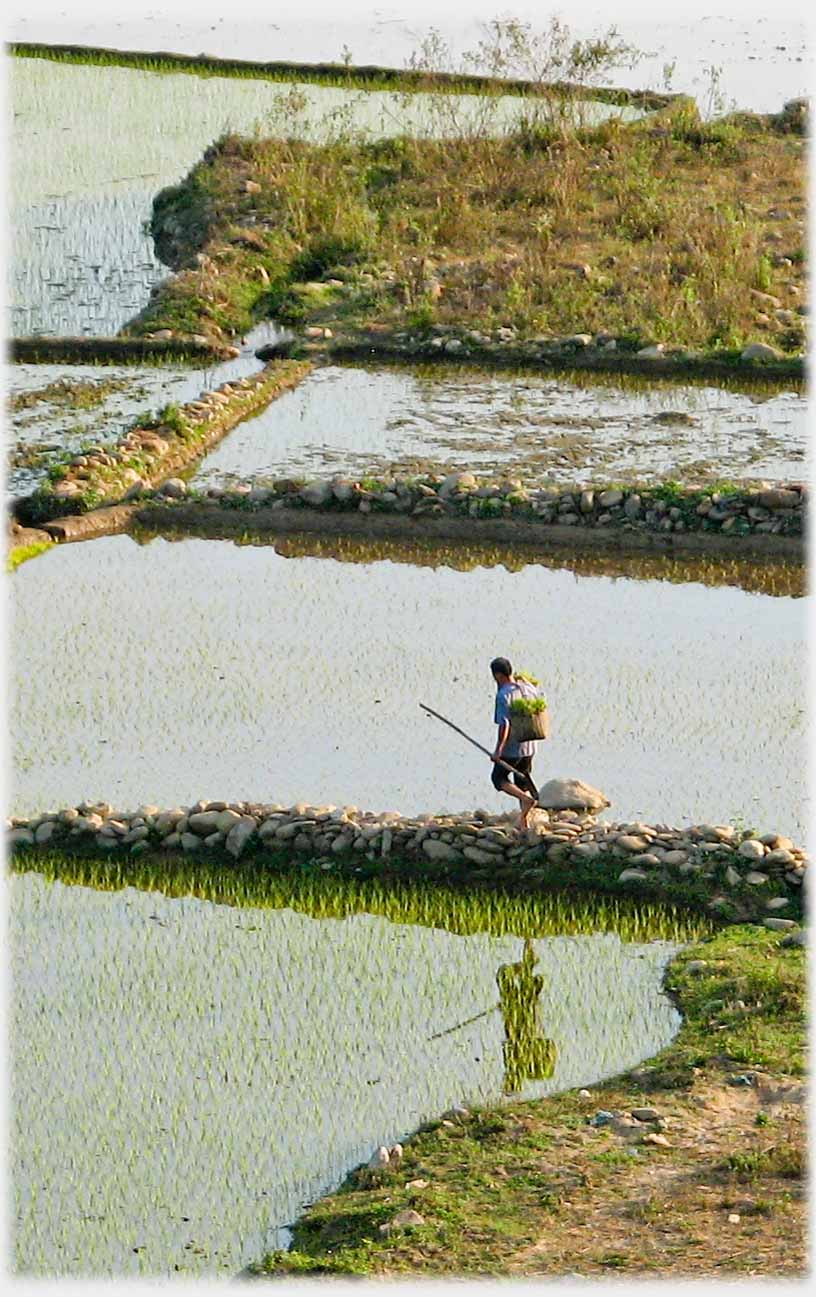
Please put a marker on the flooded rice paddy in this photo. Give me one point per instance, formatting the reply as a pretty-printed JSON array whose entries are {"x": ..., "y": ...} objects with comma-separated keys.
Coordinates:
[
  {"x": 92, "y": 145},
  {"x": 186, "y": 1076},
  {"x": 356, "y": 420},
  {"x": 203, "y": 669},
  {"x": 53, "y": 410}
]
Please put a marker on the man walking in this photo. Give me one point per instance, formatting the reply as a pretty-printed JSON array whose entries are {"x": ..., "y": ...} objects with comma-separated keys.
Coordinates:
[{"x": 517, "y": 755}]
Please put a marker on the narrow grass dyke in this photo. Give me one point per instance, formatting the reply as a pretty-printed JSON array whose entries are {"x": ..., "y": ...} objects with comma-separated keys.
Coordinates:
[
  {"x": 118, "y": 351},
  {"x": 719, "y": 871},
  {"x": 154, "y": 448},
  {"x": 691, "y": 1165},
  {"x": 345, "y": 75}
]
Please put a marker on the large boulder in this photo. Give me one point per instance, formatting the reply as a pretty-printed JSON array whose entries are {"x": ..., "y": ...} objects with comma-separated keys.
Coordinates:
[{"x": 571, "y": 795}]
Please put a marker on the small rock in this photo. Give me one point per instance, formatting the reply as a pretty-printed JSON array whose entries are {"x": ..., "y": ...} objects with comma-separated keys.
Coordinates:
[
  {"x": 798, "y": 938},
  {"x": 407, "y": 1219},
  {"x": 317, "y": 493},
  {"x": 645, "y": 1114},
  {"x": 571, "y": 794},
  {"x": 777, "y": 902},
  {"x": 610, "y": 499},
  {"x": 780, "y": 856},
  {"x": 779, "y": 925},
  {"x": 381, "y": 1157},
  {"x": 417, "y": 1184},
  {"x": 457, "y": 1113},
  {"x": 655, "y": 1137},
  {"x": 751, "y": 849},
  {"x": 630, "y": 842},
  {"x": 632, "y": 875},
  {"x": 440, "y": 850},
  {"x": 760, "y": 351},
  {"x": 174, "y": 488},
  {"x": 733, "y": 1218},
  {"x": 239, "y": 835}
]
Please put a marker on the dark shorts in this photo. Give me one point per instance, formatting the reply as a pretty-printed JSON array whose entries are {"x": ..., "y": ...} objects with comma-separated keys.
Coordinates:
[{"x": 521, "y": 766}]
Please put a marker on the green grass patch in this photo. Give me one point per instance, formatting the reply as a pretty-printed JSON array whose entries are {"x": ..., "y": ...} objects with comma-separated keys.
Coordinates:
[
  {"x": 22, "y": 553},
  {"x": 746, "y": 966}
]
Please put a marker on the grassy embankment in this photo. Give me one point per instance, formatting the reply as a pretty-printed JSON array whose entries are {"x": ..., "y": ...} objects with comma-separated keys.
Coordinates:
[
  {"x": 686, "y": 234},
  {"x": 713, "y": 1186}
]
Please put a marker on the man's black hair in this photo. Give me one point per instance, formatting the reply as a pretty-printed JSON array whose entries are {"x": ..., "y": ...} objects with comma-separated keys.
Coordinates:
[{"x": 501, "y": 666}]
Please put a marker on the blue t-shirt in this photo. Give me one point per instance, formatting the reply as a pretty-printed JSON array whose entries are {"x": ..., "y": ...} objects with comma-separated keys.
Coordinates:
[{"x": 504, "y": 696}]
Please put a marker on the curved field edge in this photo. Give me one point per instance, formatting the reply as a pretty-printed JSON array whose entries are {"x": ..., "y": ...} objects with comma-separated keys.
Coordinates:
[
  {"x": 713, "y": 1185},
  {"x": 349, "y": 76},
  {"x": 511, "y": 1189}
]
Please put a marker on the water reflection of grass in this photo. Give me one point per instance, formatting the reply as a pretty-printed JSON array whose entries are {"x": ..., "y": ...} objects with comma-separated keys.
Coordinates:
[
  {"x": 279, "y": 885},
  {"x": 781, "y": 579}
]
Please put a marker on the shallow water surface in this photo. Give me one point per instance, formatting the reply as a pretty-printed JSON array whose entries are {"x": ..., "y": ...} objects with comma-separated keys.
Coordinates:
[
  {"x": 354, "y": 420},
  {"x": 205, "y": 669},
  {"x": 186, "y": 1076},
  {"x": 42, "y": 429},
  {"x": 92, "y": 145}
]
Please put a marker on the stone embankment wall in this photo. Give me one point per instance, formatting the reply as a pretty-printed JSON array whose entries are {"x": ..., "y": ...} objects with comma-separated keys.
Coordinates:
[
  {"x": 150, "y": 452},
  {"x": 727, "y": 873},
  {"x": 761, "y": 509},
  {"x": 599, "y": 352}
]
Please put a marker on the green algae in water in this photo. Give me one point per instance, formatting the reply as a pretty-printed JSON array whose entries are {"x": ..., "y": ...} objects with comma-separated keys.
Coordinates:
[{"x": 186, "y": 1075}]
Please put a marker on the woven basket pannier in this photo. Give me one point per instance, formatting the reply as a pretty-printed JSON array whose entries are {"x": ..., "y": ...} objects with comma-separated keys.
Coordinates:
[{"x": 529, "y": 726}]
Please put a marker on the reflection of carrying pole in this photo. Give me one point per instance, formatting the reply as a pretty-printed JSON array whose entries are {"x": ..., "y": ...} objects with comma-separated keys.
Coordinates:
[
  {"x": 487, "y": 753},
  {"x": 466, "y": 1023}
]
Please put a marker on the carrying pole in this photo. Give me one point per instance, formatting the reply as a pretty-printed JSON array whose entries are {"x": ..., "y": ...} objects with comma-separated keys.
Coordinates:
[{"x": 497, "y": 760}]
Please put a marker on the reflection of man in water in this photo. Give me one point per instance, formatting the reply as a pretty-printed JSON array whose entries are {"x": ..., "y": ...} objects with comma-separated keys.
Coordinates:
[{"x": 528, "y": 1056}]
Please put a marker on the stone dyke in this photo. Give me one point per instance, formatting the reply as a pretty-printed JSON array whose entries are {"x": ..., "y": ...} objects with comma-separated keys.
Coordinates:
[
  {"x": 504, "y": 348},
  {"x": 727, "y": 873},
  {"x": 152, "y": 450},
  {"x": 666, "y": 508}
]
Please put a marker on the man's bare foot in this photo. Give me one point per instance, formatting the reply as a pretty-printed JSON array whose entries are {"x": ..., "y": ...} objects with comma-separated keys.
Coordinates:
[{"x": 526, "y": 807}]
